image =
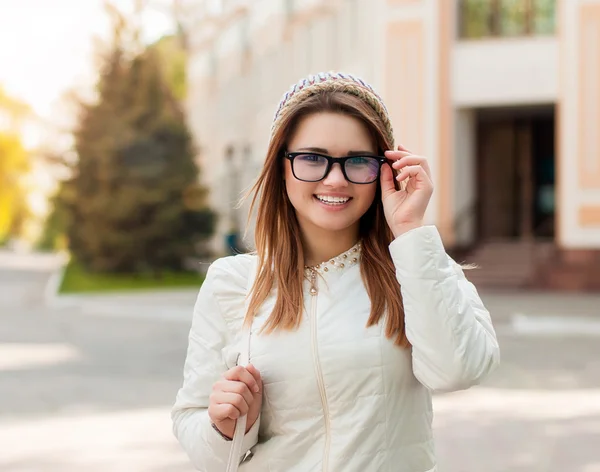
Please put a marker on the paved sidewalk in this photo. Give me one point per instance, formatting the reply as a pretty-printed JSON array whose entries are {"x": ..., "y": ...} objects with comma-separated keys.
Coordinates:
[
  {"x": 167, "y": 305},
  {"x": 177, "y": 305},
  {"x": 91, "y": 388}
]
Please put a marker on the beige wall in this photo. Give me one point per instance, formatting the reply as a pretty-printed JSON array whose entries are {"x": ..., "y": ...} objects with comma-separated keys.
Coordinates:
[
  {"x": 401, "y": 47},
  {"x": 244, "y": 59},
  {"x": 496, "y": 72},
  {"x": 415, "y": 86},
  {"x": 240, "y": 70}
]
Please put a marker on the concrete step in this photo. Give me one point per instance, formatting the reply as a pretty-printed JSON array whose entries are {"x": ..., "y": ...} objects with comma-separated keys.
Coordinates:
[{"x": 505, "y": 264}]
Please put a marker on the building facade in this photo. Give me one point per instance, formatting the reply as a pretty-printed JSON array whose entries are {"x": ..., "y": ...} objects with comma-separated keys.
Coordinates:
[{"x": 503, "y": 96}]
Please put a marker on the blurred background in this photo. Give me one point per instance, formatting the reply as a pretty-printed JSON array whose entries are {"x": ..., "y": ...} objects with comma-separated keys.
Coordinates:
[{"x": 129, "y": 130}]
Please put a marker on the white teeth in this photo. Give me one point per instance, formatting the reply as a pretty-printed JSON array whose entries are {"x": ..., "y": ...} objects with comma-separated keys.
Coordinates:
[{"x": 328, "y": 199}]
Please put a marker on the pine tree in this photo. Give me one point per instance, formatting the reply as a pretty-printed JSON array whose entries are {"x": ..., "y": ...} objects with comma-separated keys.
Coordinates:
[{"x": 134, "y": 203}]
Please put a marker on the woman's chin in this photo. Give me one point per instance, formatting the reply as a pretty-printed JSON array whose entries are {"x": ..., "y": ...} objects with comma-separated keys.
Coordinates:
[{"x": 333, "y": 224}]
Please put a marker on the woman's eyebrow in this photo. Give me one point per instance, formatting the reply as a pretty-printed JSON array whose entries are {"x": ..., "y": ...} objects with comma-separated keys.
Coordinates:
[
  {"x": 314, "y": 149},
  {"x": 325, "y": 151},
  {"x": 359, "y": 153}
]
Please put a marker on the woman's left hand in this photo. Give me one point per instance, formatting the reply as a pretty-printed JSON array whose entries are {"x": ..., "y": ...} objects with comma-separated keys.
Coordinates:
[{"x": 405, "y": 209}]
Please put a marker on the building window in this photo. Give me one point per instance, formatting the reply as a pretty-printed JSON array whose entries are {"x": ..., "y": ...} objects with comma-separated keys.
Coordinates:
[
  {"x": 308, "y": 47},
  {"x": 289, "y": 7},
  {"x": 245, "y": 46},
  {"x": 230, "y": 170},
  {"x": 354, "y": 24},
  {"x": 245, "y": 34},
  {"x": 544, "y": 21},
  {"x": 503, "y": 18},
  {"x": 334, "y": 40},
  {"x": 213, "y": 64},
  {"x": 214, "y": 7}
]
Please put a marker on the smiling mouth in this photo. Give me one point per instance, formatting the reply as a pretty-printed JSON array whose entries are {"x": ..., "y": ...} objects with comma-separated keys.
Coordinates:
[{"x": 333, "y": 201}]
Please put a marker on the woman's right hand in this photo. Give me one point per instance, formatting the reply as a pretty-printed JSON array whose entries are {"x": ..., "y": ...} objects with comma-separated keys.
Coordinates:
[{"x": 238, "y": 393}]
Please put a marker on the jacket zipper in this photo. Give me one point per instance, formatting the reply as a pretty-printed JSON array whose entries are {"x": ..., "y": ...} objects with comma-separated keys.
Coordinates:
[{"x": 313, "y": 320}]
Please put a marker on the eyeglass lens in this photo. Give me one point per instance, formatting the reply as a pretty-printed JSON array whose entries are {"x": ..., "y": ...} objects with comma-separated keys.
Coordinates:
[{"x": 312, "y": 167}]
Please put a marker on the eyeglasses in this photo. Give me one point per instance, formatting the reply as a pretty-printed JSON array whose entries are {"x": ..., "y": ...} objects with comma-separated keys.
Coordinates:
[{"x": 313, "y": 166}]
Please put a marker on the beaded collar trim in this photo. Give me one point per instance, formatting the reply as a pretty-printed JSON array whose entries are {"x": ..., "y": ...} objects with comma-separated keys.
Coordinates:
[{"x": 338, "y": 263}]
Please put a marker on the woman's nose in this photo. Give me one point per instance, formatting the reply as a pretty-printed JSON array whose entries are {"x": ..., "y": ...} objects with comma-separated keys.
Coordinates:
[{"x": 335, "y": 178}]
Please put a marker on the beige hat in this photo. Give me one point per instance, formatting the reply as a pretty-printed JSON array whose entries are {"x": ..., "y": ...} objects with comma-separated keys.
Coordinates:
[{"x": 333, "y": 81}]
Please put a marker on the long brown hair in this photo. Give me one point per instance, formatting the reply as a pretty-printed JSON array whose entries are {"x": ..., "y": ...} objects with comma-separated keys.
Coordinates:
[{"x": 277, "y": 232}]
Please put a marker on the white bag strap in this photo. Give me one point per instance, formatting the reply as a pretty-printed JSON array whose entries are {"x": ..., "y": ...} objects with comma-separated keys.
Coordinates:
[{"x": 235, "y": 452}]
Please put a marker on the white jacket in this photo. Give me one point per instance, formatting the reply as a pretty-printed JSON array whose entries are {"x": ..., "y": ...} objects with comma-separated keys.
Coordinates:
[{"x": 338, "y": 397}]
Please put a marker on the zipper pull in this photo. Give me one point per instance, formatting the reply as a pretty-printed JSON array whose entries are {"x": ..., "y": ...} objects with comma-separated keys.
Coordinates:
[{"x": 313, "y": 281}]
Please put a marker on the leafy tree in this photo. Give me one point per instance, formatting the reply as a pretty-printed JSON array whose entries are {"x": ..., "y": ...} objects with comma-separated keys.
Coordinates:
[
  {"x": 173, "y": 59},
  {"x": 53, "y": 234},
  {"x": 134, "y": 203}
]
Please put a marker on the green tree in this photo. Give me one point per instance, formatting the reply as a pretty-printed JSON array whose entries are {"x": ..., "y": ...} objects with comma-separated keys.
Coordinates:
[
  {"x": 173, "y": 60},
  {"x": 134, "y": 203},
  {"x": 53, "y": 234}
]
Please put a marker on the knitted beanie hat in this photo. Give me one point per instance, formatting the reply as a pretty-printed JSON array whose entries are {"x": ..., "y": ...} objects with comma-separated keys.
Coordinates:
[{"x": 332, "y": 82}]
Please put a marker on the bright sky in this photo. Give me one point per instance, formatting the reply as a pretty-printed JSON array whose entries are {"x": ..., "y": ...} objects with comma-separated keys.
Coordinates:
[{"x": 46, "y": 46}]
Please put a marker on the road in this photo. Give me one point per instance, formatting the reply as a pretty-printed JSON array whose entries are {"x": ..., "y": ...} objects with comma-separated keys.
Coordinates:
[{"x": 91, "y": 388}]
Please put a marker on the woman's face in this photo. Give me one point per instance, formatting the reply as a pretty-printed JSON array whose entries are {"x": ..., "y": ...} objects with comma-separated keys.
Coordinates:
[{"x": 332, "y": 204}]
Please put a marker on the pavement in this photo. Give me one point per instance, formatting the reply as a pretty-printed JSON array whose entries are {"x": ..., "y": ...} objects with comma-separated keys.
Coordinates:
[{"x": 87, "y": 382}]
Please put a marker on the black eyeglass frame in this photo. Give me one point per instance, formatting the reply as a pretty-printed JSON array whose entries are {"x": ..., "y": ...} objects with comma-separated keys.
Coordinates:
[{"x": 332, "y": 160}]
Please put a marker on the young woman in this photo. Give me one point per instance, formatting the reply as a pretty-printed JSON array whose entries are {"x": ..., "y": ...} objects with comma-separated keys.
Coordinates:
[{"x": 353, "y": 311}]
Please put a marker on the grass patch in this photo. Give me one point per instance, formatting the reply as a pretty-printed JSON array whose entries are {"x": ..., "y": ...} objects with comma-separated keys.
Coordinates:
[{"x": 77, "y": 280}]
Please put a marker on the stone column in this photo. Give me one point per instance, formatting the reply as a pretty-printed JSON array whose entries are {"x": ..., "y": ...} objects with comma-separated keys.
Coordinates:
[
  {"x": 578, "y": 146},
  {"x": 418, "y": 38}
]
